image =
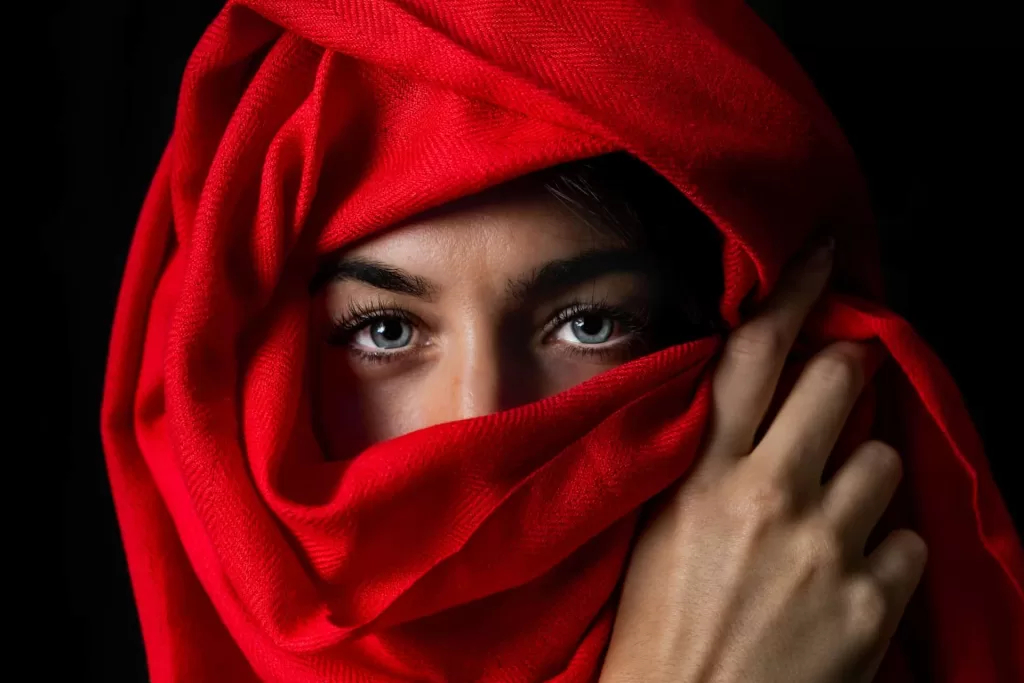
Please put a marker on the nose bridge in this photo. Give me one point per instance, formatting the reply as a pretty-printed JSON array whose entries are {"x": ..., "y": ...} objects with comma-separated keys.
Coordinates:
[
  {"x": 479, "y": 382},
  {"x": 470, "y": 375}
]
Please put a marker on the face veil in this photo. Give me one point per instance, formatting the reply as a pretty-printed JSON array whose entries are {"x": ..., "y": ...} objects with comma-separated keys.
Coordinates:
[{"x": 486, "y": 549}]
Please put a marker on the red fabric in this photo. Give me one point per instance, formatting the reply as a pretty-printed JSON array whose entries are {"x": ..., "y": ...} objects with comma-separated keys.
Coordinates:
[{"x": 486, "y": 549}]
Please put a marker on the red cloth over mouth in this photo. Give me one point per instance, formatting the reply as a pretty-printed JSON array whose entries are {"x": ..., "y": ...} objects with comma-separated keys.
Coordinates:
[{"x": 487, "y": 549}]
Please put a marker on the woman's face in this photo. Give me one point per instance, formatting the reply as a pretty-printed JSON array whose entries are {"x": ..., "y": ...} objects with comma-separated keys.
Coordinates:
[{"x": 488, "y": 303}]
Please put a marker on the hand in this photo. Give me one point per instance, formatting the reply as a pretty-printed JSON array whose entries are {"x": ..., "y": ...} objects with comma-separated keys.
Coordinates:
[{"x": 754, "y": 571}]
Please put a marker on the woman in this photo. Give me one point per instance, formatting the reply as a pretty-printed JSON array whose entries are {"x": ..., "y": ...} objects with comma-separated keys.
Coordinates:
[
  {"x": 508, "y": 296},
  {"x": 427, "y": 471}
]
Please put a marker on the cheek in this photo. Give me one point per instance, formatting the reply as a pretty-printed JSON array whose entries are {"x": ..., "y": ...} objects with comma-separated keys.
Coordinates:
[
  {"x": 351, "y": 411},
  {"x": 339, "y": 419},
  {"x": 357, "y": 409},
  {"x": 558, "y": 374},
  {"x": 390, "y": 408}
]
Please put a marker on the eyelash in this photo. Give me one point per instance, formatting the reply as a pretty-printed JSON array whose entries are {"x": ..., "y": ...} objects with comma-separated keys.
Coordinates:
[
  {"x": 630, "y": 322},
  {"x": 359, "y": 315}
]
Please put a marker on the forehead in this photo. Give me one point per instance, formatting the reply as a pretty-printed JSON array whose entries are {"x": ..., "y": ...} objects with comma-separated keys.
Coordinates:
[{"x": 507, "y": 226}]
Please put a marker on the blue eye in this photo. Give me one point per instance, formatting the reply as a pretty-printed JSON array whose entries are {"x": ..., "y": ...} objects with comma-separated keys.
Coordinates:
[
  {"x": 588, "y": 328},
  {"x": 384, "y": 333}
]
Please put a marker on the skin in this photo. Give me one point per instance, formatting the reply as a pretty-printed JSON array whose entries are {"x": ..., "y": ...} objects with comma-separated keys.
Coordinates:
[
  {"x": 753, "y": 569},
  {"x": 488, "y": 332}
]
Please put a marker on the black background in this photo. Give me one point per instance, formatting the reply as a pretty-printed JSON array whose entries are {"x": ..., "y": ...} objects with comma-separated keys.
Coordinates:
[{"x": 925, "y": 97}]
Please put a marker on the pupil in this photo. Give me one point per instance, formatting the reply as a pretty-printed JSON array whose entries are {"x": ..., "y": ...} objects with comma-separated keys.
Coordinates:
[
  {"x": 591, "y": 324},
  {"x": 391, "y": 330},
  {"x": 592, "y": 328}
]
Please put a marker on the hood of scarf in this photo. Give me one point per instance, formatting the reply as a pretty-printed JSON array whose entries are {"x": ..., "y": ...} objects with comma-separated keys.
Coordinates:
[{"x": 486, "y": 549}]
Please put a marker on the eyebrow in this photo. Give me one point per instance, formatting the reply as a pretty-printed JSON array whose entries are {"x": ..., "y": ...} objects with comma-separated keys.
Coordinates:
[
  {"x": 548, "y": 280},
  {"x": 376, "y": 274},
  {"x": 557, "y": 276}
]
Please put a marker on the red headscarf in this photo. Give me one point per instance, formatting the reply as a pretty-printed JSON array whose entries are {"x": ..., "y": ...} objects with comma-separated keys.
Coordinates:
[{"x": 486, "y": 549}]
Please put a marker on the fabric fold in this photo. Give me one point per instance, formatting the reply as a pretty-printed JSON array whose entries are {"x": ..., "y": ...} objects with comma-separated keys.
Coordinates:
[{"x": 486, "y": 549}]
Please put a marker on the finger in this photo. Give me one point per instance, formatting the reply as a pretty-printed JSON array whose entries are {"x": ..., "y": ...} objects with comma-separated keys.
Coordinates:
[
  {"x": 857, "y": 496},
  {"x": 870, "y": 670},
  {"x": 800, "y": 439},
  {"x": 753, "y": 357},
  {"x": 897, "y": 565}
]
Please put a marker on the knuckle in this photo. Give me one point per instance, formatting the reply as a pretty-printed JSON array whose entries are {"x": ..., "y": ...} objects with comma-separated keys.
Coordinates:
[
  {"x": 868, "y": 609},
  {"x": 885, "y": 458},
  {"x": 762, "y": 501},
  {"x": 917, "y": 549},
  {"x": 819, "y": 547},
  {"x": 758, "y": 340},
  {"x": 839, "y": 371},
  {"x": 912, "y": 555}
]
